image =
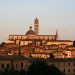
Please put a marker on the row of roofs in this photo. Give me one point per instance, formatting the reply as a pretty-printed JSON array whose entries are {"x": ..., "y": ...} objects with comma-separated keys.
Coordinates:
[{"x": 20, "y": 57}]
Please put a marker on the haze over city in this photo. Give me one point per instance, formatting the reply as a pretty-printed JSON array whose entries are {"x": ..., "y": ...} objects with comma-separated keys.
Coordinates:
[{"x": 17, "y": 15}]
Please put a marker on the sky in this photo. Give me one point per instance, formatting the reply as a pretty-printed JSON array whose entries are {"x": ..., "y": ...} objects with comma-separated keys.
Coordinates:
[{"x": 17, "y": 15}]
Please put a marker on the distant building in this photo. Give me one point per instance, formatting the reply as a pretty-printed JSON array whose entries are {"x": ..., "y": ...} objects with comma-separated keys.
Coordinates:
[
  {"x": 37, "y": 47},
  {"x": 47, "y": 43},
  {"x": 66, "y": 65},
  {"x": 32, "y": 36}
]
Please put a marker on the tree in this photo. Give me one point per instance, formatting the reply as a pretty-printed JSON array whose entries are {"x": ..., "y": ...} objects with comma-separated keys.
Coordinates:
[
  {"x": 42, "y": 68},
  {"x": 74, "y": 43},
  {"x": 30, "y": 56},
  {"x": 51, "y": 55}
]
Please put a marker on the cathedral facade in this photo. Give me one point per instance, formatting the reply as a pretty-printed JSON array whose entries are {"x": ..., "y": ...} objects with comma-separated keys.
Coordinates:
[{"x": 33, "y": 35}]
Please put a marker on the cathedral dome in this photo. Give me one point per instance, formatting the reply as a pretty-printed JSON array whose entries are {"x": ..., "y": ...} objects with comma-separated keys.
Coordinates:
[{"x": 30, "y": 31}]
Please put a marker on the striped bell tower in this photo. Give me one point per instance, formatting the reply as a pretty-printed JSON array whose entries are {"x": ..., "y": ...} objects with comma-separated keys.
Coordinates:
[{"x": 36, "y": 26}]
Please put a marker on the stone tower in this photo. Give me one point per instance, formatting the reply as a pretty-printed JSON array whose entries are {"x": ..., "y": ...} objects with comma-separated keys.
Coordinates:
[{"x": 36, "y": 26}]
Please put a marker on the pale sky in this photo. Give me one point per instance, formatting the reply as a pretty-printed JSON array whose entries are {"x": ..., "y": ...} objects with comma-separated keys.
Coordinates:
[{"x": 17, "y": 15}]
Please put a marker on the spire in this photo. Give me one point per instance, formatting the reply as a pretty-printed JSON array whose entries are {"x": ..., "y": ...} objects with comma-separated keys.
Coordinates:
[
  {"x": 19, "y": 49},
  {"x": 57, "y": 34},
  {"x": 36, "y": 18}
]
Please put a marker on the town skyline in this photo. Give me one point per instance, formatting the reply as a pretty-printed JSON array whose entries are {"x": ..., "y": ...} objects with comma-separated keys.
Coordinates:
[{"x": 17, "y": 16}]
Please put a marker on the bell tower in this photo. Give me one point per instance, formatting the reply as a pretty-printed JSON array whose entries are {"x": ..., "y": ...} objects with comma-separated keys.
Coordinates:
[{"x": 36, "y": 26}]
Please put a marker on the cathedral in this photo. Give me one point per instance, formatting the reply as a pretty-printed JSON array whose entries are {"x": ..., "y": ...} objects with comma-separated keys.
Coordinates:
[{"x": 33, "y": 36}]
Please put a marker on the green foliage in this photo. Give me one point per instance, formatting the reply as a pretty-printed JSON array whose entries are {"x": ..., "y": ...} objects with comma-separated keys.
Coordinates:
[
  {"x": 41, "y": 68},
  {"x": 51, "y": 55},
  {"x": 36, "y": 68},
  {"x": 13, "y": 72}
]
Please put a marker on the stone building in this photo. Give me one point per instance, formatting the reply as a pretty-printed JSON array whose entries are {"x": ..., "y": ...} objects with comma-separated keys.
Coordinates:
[
  {"x": 19, "y": 62},
  {"x": 4, "y": 63},
  {"x": 66, "y": 65}
]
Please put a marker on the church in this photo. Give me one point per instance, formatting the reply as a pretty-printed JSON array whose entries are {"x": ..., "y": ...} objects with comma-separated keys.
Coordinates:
[{"x": 33, "y": 36}]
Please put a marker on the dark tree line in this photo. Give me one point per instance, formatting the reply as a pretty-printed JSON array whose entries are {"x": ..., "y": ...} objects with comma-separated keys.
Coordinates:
[
  {"x": 13, "y": 72},
  {"x": 42, "y": 68}
]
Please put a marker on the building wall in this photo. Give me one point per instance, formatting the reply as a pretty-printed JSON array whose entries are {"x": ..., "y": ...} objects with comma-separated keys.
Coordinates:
[
  {"x": 20, "y": 64},
  {"x": 24, "y": 38},
  {"x": 60, "y": 42},
  {"x": 66, "y": 67},
  {"x": 4, "y": 63},
  {"x": 39, "y": 55},
  {"x": 15, "y": 37}
]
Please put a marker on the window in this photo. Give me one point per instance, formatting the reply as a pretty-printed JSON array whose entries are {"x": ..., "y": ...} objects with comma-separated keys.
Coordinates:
[
  {"x": 7, "y": 65},
  {"x": 21, "y": 65},
  {"x": 68, "y": 70},
  {"x": 73, "y": 70},
  {"x": 73, "y": 64},
  {"x": 26, "y": 65},
  {"x": 2, "y": 65},
  {"x": 53, "y": 64},
  {"x": 68, "y": 64},
  {"x": 64, "y": 70},
  {"x": 16, "y": 65},
  {"x": 64, "y": 64},
  {"x": 59, "y": 64}
]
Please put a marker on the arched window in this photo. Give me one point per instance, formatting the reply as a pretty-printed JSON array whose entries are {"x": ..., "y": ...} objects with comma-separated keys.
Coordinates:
[
  {"x": 68, "y": 64},
  {"x": 64, "y": 70},
  {"x": 73, "y": 64},
  {"x": 2, "y": 65},
  {"x": 7, "y": 65},
  {"x": 68, "y": 70},
  {"x": 16, "y": 65},
  {"x": 64, "y": 64},
  {"x": 21, "y": 65},
  {"x": 73, "y": 70}
]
